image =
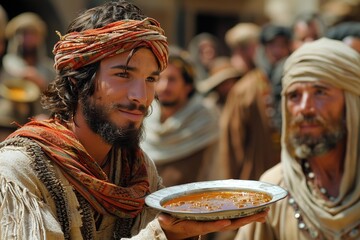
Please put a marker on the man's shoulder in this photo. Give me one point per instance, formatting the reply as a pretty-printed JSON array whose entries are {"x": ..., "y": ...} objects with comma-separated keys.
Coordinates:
[
  {"x": 249, "y": 82},
  {"x": 273, "y": 175},
  {"x": 197, "y": 109},
  {"x": 250, "y": 77},
  {"x": 16, "y": 166},
  {"x": 13, "y": 154}
]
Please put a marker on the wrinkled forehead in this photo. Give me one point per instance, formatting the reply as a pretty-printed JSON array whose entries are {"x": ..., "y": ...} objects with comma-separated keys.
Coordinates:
[
  {"x": 319, "y": 86},
  {"x": 310, "y": 84}
]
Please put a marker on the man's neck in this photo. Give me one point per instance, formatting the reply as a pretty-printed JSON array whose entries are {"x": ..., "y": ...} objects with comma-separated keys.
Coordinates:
[
  {"x": 92, "y": 142},
  {"x": 328, "y": 168},
  {"x": 167, "y": 112}
]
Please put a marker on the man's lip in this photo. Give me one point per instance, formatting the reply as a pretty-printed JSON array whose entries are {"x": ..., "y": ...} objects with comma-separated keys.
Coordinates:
[
  {"x": 309, "y": 125},
  {"x": 132, "y": 115}
]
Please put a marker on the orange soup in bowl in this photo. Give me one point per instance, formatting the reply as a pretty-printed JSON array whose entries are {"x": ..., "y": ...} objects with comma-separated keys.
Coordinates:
[{"x": 212, "y": 201}]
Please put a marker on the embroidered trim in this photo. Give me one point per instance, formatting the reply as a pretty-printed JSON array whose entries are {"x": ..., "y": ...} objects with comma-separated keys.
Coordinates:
[
  {"x": 87, "y": 229},
  {"x": 122, "y": 225},
  {"x": 123, "y": 228}
]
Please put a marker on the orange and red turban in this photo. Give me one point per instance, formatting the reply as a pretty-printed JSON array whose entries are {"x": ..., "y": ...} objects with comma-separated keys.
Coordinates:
[{"x": 78, "y": 49}]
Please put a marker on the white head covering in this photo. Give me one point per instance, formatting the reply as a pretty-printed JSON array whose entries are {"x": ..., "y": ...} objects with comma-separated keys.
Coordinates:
[{"x": 337, "y": 64}]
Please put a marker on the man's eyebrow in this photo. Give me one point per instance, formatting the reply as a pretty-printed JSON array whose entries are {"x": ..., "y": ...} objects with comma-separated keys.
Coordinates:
[
  {"x": 129, "y": 68},
  {"x": 121, "y": 67},
  {"x": 320, "y": 86},
  {"x": 291, "y": 91}
]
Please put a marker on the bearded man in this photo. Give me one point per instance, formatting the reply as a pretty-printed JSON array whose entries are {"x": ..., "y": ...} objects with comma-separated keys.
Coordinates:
[
  {"x": 320, "y": 159},
  {"x": 182, "y": 132},
  {"x": 81, "y": 174}
]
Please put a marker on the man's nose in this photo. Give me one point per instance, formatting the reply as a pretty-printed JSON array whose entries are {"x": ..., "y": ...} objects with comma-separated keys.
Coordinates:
[
  {"x": 138, "y": 91},
  {"x": 307, "y": 104}
]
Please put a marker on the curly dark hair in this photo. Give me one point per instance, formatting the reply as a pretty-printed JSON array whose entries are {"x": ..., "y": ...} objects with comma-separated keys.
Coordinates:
[{"x": 62, "y": 95}]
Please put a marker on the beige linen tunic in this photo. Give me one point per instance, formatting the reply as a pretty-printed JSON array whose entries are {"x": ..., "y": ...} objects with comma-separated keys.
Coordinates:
[
  {"x": 274, "y": 228},
  {"x": 27, "y": 210}
]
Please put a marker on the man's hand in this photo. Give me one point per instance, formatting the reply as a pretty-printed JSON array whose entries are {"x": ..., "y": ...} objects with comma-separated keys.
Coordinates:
[{"x": 181, "y": 229}]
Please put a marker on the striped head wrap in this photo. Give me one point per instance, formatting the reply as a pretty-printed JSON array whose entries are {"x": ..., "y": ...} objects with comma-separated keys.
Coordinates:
[{"x": 78, "y": 49}]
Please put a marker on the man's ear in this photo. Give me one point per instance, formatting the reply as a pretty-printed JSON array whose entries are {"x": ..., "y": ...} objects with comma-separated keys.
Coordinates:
[
  {"x": 72, "y": 84},
  {"x": 73, "y": 81}
]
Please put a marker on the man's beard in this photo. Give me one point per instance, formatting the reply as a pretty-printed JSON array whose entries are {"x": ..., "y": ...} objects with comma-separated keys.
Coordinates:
[
  {"x": 97, "y": 117},
  {"x": 169, "y": 104},
  {"x": 306, "y": 145}
]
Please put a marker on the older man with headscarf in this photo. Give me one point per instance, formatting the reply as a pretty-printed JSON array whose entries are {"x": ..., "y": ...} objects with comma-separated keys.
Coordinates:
[{"x": 320, "y": 162}]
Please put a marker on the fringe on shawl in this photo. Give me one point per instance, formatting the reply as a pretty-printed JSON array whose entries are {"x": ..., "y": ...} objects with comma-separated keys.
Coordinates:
[
  {"x": 20, "y": 200},
  {"x": 47, "y": 175}
]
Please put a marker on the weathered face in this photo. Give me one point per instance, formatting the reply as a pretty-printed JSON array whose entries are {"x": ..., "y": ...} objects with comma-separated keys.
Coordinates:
[
  {"x": 123, "y": 94},
  {"x": 172, "y": 90},
  {"x": 315, "y": 118}
]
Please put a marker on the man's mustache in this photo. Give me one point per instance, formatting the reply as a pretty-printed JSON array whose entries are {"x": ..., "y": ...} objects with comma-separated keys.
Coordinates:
[
  {"x": 131, "y": 107},
  {"x": 311, "y": 119}
]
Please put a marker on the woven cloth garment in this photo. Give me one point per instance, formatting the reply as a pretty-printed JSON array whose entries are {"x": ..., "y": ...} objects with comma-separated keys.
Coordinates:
[
  {"x": 86, "y": 176},
  {"x": 77, "y": 49},
  {"x": 190, "y": 129}
]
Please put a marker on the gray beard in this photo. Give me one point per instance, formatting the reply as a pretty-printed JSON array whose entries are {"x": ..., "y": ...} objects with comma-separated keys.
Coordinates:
[{"x": 308, "y": 146}]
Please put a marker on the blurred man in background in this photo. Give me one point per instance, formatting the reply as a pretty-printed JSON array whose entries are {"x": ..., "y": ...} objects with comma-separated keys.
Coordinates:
[
  {"x": 182, "y": 132},
  {"x": 203, "y": 49},
  {"x": 348, "y": 32},
  {"x": 307, "y": 27},
  {"x": 243, "y": 40},
  {"x": 249, "y": 135},
  {"x": 26, "y": 53},
  {"x": 215, "y": 88},
  {"x": 25, "y": 64}
]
